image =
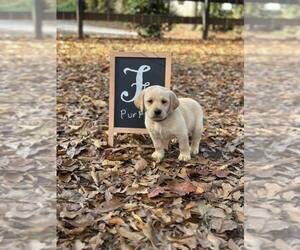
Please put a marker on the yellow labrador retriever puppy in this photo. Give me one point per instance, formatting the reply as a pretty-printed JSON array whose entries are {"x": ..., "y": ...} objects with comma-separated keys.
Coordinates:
[{"x": 167, "y": 116}]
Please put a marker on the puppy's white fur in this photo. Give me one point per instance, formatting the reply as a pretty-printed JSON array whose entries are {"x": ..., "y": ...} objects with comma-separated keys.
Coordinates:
[{"x": 179, "y": 117}]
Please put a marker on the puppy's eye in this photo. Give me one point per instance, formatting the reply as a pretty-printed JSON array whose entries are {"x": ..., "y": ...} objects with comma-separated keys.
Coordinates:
[
  {"x": 163, "y": 101},
  {"x": 150, "y": 101}
]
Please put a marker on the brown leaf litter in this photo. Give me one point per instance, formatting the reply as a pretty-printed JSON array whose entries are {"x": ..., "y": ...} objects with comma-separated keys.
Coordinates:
[{"x": 119, "y": 198}]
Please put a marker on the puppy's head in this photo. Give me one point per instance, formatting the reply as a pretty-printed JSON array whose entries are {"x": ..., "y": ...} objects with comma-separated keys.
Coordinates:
[{"x": 158, "y": 102}]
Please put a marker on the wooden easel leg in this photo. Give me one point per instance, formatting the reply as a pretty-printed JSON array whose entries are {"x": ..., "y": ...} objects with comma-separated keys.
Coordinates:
[{"x": 111, "y": 138}]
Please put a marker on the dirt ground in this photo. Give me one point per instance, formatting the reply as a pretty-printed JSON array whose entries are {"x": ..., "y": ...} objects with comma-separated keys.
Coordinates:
[{"x": 119, "y": 198}]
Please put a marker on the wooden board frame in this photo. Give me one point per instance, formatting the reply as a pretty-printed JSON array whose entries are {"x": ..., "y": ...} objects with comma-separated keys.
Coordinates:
[{"x": 111, "y": 127}]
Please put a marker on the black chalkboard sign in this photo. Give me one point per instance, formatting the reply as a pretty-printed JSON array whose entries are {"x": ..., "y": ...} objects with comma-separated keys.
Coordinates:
[{"x": 130, "y": 73}]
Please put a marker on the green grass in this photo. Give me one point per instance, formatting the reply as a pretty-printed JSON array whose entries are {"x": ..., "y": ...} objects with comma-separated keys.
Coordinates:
[{"x": 15, "y": 5}]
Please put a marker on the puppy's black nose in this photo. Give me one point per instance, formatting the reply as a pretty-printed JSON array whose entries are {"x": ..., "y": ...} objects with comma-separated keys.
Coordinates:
[{"x": 157, "y": 111}]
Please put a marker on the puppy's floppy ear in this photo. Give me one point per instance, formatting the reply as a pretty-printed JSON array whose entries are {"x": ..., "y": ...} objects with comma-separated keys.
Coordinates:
[
  {"x": 174, "y": 102},
  {"x": 139, "y": 101}
]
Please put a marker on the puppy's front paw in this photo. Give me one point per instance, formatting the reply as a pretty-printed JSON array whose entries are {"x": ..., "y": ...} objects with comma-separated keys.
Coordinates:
[
  {"x": 158, "y": 156},
  {"x": 195, "y": 150},
  {"x": 184, "y": 157}
]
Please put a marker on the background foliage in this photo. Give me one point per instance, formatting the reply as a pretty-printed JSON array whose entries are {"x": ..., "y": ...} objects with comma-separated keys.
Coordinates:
[
  {"x": 66, "y": 5},
  {"x": 157, "y": 7}
]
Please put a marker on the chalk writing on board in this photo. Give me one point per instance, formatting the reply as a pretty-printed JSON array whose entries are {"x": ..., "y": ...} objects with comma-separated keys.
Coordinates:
[
  {"x": 139, "y": 84},
  {"x": 124, "y": 114}
]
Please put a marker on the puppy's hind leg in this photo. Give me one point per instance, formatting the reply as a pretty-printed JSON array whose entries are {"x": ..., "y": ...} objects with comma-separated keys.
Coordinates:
[
  {"x": 196, "y": 138},
  {"x": 165, "y": 143}
]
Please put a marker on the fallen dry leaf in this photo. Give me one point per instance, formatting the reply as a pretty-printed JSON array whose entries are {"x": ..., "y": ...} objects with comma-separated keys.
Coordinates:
[
  {"x": 124, "y": 245},
  {"x": 96, "y": 241},
  {"x": 189, "y": 240},
  {"x": 126, "y": 233},
  {"x": 198, "y": 172},
  {"x": 156, "y": 191},
  {"x": 181, "y": 188},
  {"x": 232, "y": 245},
  {"x": 221, "y": 173},
  {"x": 116, "y": 221},
  {"x": 149, "y": 232},
  {"x": 140, "y": 165},
  {"x": 108, "y": 206}
]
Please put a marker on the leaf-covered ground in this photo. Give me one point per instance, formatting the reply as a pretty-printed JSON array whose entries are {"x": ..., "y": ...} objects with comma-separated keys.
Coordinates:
[
  {"x": 272, "y": 118},
  {"x": 119, "y": 198},
  {"x": 27, "y": 144}
]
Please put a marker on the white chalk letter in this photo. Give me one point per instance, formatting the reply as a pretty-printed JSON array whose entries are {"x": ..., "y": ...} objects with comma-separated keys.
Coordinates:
[
  {"x": 139, "y": 84},
  {"x": 123, "y": 112}
]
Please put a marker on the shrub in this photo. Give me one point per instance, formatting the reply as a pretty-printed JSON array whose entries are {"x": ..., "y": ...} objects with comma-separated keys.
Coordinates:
[
  {"x": 148, "y": 7},
  {"x": 66, "y": 5},
  {"x": 99, "y": 5}
]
